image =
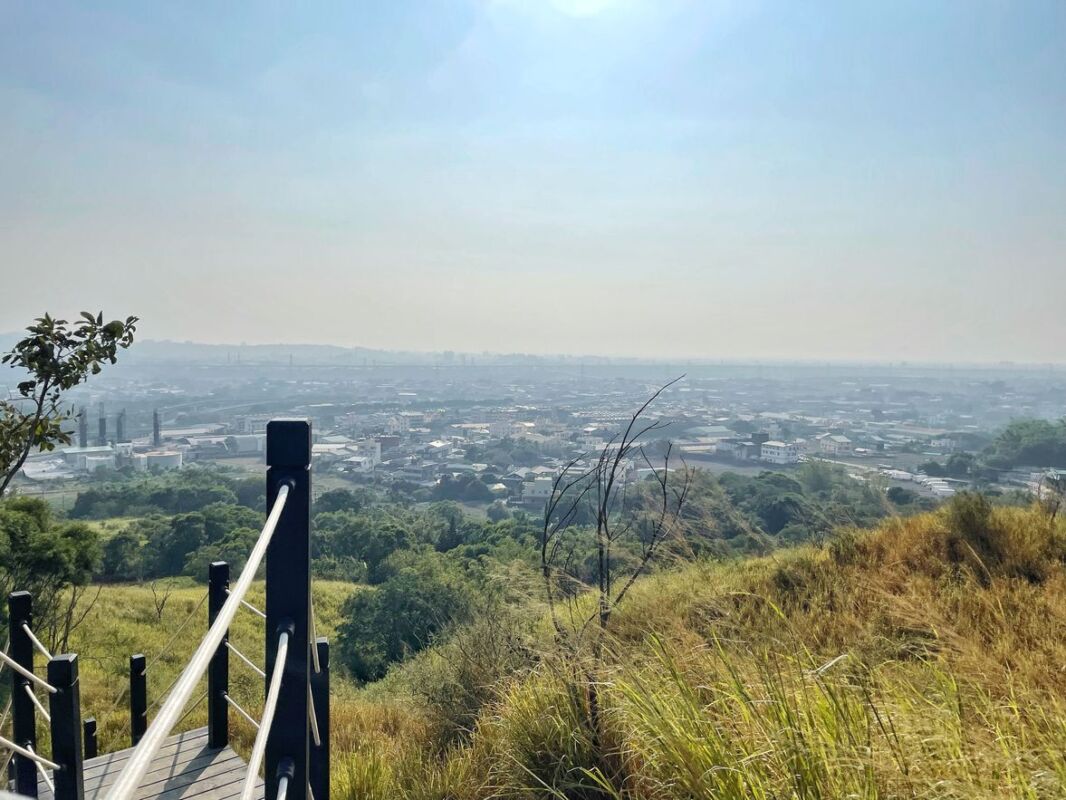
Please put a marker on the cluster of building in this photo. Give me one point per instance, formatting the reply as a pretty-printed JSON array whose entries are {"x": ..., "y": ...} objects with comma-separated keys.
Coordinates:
[
  {"x": 110, "y": 451},
  {"x": 515, "y": 430}
]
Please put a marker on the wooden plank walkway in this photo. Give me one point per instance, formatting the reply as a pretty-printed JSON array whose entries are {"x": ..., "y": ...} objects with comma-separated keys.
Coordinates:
[{"x": 184, "y": 768}]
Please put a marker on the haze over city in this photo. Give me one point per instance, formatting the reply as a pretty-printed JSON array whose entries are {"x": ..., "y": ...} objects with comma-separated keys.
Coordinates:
[{"x": 656, "y": 179}]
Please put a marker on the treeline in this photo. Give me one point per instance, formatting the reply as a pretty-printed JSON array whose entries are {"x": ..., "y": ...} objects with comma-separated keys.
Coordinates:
[
  {"x": 1035, "y": 443},
  {"x": 425, "y": 567},
  {"x": 1029, "y": 443},
  {"x": 178, "y": 492}
]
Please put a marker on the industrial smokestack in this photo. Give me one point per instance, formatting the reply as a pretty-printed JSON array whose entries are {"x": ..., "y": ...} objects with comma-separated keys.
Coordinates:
[
  {"x": 83, "y": 428},
  {"x": 120, "y": 426},
  {"x": 157, "y": 429}
]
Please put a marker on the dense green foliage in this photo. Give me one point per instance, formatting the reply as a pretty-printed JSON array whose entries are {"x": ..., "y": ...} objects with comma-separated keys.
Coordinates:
[
  {"x": 422, "y": 595},
  {"x": 1030, "y": 443},
  {"x": 47, "y": 557},
  {"x": 179, "y": 492},
  {"x": 1023, "y": 443},
  {"x": 41, "y": 553},
  {"x": 424, "y": 564}
]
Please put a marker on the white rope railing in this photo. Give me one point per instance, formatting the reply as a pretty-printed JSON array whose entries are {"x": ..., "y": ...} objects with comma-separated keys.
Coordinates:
[
  {"x": 140, "y": 759},
  {"x": 312, "y": 717},
  {"x": 253, "y": 609},
  {"x": 314, "y": 632},
  {"x": 37, "y": 703},
  {"x": 251, "y": 664},
  {"x": 166, "y": 649},
  {"x": 25, "y": 673},
  {"x": 26, "y": 752},
  {"x": 255, "y": 761},
  {"x": 36, "y": 642},
  {"x": 237, "y": 707},
  {"x": 44, "y": 774},
  {"x": 250, "y": 607}
]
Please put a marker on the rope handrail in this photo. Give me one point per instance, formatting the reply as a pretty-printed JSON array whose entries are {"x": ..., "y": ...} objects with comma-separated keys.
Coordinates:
[
  {"x": 237, "y": 707},
  {"x": 245, "y": 659},
  {"x": 251, "y": 608},
  {"x": 36, "y": 642},
  {"x": 25, "y": 673},
  {"x": 255, "y": 760},
  {"x": 37, "y": 703},
  {"x": 43, "y": 774},
  {"x": 139, "y": 761},
  {"x": 314, "y": 631},
  {"x": 3, "y": 722},
  {"x": 312, "y": 717},
  {"x": 26, "y": 752},
  {"x": 166, "y": 648}
]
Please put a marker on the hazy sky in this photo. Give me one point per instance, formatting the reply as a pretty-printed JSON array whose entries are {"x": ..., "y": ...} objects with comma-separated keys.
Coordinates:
[{"x": 640, "y": 177}]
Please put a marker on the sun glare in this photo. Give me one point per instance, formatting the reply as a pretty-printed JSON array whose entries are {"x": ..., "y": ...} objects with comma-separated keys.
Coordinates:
[{"x": 582, "y": 8}]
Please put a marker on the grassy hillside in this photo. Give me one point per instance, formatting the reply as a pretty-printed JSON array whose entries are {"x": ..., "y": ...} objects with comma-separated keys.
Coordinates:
[
  {"x": 922, "y": 659},
  {"x": 124, "y": 621}
]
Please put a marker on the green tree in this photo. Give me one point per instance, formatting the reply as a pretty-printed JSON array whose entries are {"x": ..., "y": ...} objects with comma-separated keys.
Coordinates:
[
  {"x": 171, "y": 545},
  {"x": 900, "y": 496},
  {"x": 338, "y": 500},
  {"x": 960, "y": 465},
  {"x": 222, "y": 518},
  {"x": 424, "y": 594},
  {"x": 55, "y": 357},
  {"x": 50, "y": 559},
  {"x": 1029, "y": 442},
  {"x": 497, "y": 511},
  {"x": 123, "y": 558},
  {"x": 233, "y": 547}
]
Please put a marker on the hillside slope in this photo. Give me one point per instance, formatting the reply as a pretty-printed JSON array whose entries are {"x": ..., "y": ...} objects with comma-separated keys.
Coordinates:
[{"x": 921, "y": 659}]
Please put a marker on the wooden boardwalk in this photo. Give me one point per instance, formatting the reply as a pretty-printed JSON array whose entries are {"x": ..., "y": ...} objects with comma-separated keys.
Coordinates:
[{"x": 184, "y": 768}]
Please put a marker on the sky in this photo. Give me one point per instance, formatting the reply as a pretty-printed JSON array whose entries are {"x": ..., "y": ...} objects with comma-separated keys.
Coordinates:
[{"x": 649, "y": 178}]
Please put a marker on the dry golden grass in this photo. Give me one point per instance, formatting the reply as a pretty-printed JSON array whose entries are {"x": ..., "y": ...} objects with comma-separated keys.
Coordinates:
[
  {"x": 923, "y": 659},
  {"x": 920, "y": 660}
]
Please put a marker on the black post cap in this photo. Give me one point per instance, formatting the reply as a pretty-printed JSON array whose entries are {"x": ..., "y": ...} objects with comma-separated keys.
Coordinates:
[{"x": 288, "y": 443}]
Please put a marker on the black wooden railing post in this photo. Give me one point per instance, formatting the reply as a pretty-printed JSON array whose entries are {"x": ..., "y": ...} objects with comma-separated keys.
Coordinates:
[
  {"x": 138, "y": 697},
  {"x": 288, "y": 598},
  {"x": 65, "y": 710},
  {"x": 218, "y": 671},
  {"x": 23, "y": 721},
  {"x": 319, "y": 768},
  {"x": 89, "y": 737}
]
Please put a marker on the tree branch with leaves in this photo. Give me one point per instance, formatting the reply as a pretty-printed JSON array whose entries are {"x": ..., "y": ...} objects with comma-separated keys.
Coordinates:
[{"x": 56, "y": 356}]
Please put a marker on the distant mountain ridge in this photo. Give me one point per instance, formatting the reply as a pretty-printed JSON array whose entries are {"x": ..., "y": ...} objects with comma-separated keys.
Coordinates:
[{"x": 162, "y": 350}]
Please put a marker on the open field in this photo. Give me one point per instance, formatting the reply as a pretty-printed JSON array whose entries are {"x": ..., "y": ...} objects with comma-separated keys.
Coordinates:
[{"x": 124, "y": 620}]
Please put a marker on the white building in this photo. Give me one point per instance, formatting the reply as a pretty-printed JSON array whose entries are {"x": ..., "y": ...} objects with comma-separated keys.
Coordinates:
[
  {"x": 775, "y": 452},
  {"x": 157, "y": 460},
  {"x": 835, "y": 445},
  {"x": 362, "y": 465},
  {"x": 251, "y": 423},
  {"x": 538, "y": 490}
]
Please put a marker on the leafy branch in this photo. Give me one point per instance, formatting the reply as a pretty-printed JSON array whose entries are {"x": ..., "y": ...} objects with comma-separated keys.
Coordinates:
[{"x": 57, "y": 356}]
